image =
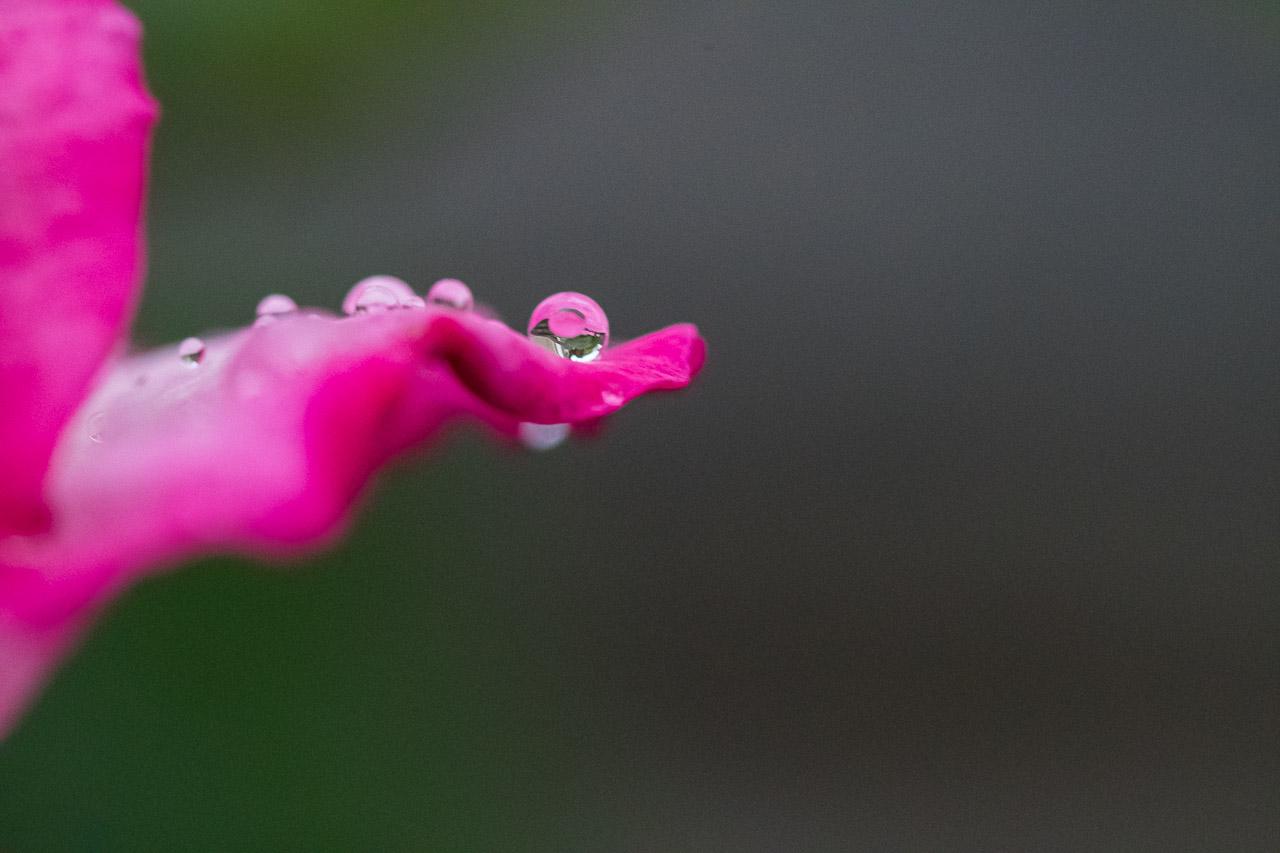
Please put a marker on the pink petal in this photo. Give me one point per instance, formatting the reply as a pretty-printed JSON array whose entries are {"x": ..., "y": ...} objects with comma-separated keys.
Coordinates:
[
  {"x": 265, "y": 446},
  {"x": 74, "y": 123}
]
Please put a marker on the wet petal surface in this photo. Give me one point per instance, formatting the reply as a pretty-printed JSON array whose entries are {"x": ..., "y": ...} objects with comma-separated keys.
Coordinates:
[{"x": 264, "y": 446}]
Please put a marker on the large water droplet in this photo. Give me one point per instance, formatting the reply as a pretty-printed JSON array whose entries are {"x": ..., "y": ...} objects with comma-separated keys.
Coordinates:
[
  {"x": 376, "y": 293},
  {"x": 542, "y": 436},
  {"x": 95, "y": 427},
  {"x": 451, "y": 293},
  {"x": 191, "y": 351},
  {"x": 272, "y": 307},
  {"x": 571, "y": 325}
]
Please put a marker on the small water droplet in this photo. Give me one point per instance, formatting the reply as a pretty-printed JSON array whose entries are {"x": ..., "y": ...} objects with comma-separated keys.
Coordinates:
[
  {"x": 571, "y": 325},
  {"x": 451, "y": 293},
  {"x": 191, "y": 351},
  {"x": 375, "y": 298},
  {"x": 376, "y": 293},
  {"x": 543, "y": 436},
  {"x": 95, "y": 427},
  {"x": 272, "y": 307}
]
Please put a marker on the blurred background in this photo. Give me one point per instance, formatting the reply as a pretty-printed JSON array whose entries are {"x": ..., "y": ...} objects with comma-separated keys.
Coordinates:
[{"x": 968, "y": 538}]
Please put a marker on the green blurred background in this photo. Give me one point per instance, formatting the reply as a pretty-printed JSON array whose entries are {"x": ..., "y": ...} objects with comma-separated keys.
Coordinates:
[{"x": 965, "y": 540}]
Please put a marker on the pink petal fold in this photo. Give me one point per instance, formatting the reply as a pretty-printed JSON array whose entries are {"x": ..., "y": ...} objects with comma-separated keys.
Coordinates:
[
  {"x": 265, "y": 446},
  {"x": 75, "y": 120}
]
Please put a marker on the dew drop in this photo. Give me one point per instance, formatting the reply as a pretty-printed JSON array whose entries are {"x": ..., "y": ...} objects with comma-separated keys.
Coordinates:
[
  {"x": 375, "y": 294},
  {"x": 95, "y": 427},
  {"x": 451, "y": 293},
  {"x": 542, "y": 436},
  {"x": 571, "y": 325},
  {"x": 375, "y": 298},
  {"x": 191, "y": 351},
  {"x": 272, "y": 307}
]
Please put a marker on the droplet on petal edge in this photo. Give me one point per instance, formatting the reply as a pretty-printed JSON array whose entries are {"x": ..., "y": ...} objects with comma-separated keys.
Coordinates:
[
  {"x": 376, "y": 293},
  {"x": 451, "y": 293},
  {"x": 572, "y": 325},
  {"x": 272, "y": 307},
  {"x": 191, "y": 351},
  {"x": 542, "y": 437}
]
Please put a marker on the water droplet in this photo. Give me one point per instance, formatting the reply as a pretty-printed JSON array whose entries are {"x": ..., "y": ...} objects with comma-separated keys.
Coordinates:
[
  {"x": 451, "y": 293},
  {"x": 571, "y": 325},
  {"x": 191, "y": 351},
  {"x": 376, "y": 293},
  {"x": 272, "y": 307},
  {"x": 95, "y": 427},
  {"x": 542, "y": 436},
  {"x": 375, "y": 298}
]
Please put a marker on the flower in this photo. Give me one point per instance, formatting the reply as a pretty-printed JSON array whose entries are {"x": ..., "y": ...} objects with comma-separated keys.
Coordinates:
[{"x": 258, "y": 440}]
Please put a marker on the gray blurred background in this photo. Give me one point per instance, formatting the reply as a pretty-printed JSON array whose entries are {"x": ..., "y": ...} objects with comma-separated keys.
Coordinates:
[{"x": 968, "y": 538}]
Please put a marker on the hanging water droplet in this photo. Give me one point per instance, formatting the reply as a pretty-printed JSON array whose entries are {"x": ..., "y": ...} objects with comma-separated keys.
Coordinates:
[
  {"x": 571, "y": 325},
  {"x": 376, "y": 293},
  {"x": 451, "y": 293},
  {"x": 272, "y": 307},
  {"x": 95, "y": 427},
  {"x": 542, "y": 436},
  {"x": 191, "y": 351}
]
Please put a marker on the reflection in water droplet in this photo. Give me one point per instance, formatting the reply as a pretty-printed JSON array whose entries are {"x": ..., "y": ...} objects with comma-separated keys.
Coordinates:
[
  {"x": 95, "y": 427},
  {"x": 451, "y": 293},
  {"x": 191, "y": 351},
  {"x": 272, "y": 307},
  {"x": 571, "y": 325},
  {"x": 543, "y": 436},
  {"x": 375, "y": 298},
  {"x": 376, "y": 293}
]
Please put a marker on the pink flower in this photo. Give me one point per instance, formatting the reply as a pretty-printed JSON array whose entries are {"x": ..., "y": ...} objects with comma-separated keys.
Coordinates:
[{"x": 258, "y": 440}]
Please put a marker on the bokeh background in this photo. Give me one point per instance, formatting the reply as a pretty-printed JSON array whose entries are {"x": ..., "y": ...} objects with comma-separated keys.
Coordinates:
[{"x": 967, "y": 539}]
